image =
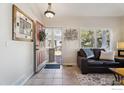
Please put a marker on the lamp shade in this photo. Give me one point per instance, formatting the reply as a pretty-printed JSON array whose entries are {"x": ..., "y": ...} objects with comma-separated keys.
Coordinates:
[
  {"x": 49, "y": 14},
  {"x": 120, "y": 45}
]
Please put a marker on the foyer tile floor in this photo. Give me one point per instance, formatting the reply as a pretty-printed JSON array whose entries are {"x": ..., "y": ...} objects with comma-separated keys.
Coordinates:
[{"x": 63, "y": 76}]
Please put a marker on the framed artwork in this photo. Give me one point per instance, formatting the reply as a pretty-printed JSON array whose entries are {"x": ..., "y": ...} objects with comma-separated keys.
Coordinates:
[
  {"x": 71, "y": 34},
  {"x": 22, "y": 25}
]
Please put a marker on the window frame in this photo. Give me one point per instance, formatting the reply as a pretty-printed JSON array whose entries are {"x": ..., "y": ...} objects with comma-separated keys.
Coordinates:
[
  {"x": 95, "y": 36},
  {"x": 52, "y": 38},
  {"x": 81, "y": 40}
]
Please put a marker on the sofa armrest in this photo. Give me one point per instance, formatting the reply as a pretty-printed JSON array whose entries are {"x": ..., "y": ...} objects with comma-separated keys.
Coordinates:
[
  {"x": 79, "y": 58},
  {"x": 84, "y": 65}
]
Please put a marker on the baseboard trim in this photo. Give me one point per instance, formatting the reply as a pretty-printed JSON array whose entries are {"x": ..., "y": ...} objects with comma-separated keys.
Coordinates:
[
  {"x": 73, "y": 64},
  {"x": 23, "y": 79},
  {"x": 27, "y": 79}
]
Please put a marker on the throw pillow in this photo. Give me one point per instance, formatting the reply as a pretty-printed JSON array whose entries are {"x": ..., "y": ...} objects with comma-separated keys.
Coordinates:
[
  {"x": 107, "y": 55},
  {"x": 97, "y": 53},
  {"x": 89, "y": 53},
  {"x": 82, "y": 53}
]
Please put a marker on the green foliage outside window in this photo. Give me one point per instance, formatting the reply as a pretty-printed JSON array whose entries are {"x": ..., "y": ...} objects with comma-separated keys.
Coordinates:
[
  {"x": 108, "y": 38},
  {"x": 87, "y": 39},
  {"x": 99, "y": 38},
  {"x": 95, "y": 38}
]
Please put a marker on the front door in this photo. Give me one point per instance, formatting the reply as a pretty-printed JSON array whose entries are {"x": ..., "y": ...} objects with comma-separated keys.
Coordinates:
[{"x": 38, "y": 47}]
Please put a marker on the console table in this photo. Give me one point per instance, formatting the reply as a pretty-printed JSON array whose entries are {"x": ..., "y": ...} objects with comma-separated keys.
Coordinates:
[{"x": 119, "y": 59}]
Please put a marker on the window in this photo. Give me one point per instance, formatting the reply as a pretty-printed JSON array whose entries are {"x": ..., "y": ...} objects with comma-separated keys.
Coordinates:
[
  {"x": 53, "y": 37},
  {"x": 48, "y": 32},
  {"x": 99, "y": 38},
  {"x": 95, "y": 38},
  {"x": 87, "y": 39},
  {"x": 108, "y": 38}
]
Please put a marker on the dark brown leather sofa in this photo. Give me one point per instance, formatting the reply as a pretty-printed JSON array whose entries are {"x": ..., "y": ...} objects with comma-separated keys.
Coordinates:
[{"x": 94, "y": 64}]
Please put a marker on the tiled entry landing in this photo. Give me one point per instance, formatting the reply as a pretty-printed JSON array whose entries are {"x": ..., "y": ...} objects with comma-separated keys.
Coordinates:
[{"x": 63, "y": 76}]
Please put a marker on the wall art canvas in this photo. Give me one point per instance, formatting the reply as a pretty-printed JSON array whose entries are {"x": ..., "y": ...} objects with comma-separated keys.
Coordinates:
[
  {"x": 71, "y": 34},
  {"x": 22, "y": 26}
]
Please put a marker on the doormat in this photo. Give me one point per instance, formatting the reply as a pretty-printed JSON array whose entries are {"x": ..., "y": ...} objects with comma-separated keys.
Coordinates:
[{"x": 52, "y": 66}]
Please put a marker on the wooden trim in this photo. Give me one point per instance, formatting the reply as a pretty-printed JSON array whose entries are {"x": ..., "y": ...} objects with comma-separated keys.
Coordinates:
[
  {"x": 13, "y": 21},
  {"x": 39, "y": 23},
  {"x": 16, "y": 8},
  {"x": 36, "y": 24}
]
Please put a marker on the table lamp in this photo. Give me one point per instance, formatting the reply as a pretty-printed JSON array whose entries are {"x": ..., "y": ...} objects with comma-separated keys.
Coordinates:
[{"x": 120, "y": 47}]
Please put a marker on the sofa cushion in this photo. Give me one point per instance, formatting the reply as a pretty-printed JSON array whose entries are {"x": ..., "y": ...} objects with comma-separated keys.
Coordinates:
[
  {"x": 102, "y": 63},
  {"x": 92, "y": 62},
  {"x": 111, "y": 64},
  {"x": 89, "y": 53},
  {"x": 97, "y": 53},
  {"x": 105, "y": 60}
]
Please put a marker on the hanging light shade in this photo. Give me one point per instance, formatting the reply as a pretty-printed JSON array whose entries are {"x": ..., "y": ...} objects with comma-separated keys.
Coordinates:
[{"x": 49, "y": 13}]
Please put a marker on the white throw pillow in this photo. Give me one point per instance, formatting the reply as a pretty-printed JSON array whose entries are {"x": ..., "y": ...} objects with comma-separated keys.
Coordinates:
[{"x": 107, "y": 55}]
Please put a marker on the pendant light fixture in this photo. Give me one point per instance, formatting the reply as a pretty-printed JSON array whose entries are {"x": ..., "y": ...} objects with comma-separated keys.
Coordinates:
[{"x": 49, "y": 13}]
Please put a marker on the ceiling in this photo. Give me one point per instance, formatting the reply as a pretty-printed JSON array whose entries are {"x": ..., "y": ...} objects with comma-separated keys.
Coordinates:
[{"x": 83, "y": 9}]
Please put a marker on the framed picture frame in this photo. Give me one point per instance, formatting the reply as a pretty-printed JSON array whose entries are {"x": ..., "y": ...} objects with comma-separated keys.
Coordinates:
[
  {"x": 71, "y": 34},
  {"x": 22, "y": 25},
  {"x": 121, "y": 53}
]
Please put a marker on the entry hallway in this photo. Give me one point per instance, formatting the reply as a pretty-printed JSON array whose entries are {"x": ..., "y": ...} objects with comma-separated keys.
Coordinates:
[{"x": 63, "y": 76}]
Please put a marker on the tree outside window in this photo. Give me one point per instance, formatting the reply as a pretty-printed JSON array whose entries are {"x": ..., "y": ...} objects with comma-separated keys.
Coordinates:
[
  {"x": 95, "y": 38},
  {"x": 103, "y": 39},
  {"x": 87, "y": 38},
  {"x": 108, "y": 38},
  {"x": 99, "y": 38}
]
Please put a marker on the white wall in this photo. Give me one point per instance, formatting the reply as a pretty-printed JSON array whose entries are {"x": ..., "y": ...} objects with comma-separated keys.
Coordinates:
[
  {"x": 122, "y": 29},
  {"x": 16, "y": 57},
  {"x": 70, "y": 48}
]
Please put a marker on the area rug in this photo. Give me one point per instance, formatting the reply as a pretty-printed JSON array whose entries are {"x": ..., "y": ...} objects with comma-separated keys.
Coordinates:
[
  {"x": 95, "y": 79},
  {"x": 52, "y": 66}
]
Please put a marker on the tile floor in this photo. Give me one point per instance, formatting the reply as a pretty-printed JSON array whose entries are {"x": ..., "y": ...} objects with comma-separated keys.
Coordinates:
[{"x": 63, "y": 76}]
